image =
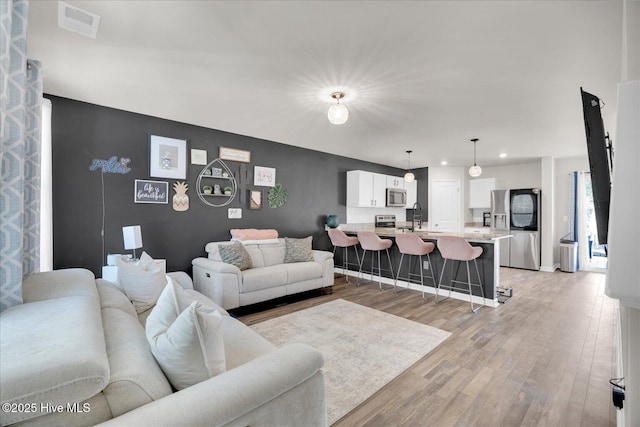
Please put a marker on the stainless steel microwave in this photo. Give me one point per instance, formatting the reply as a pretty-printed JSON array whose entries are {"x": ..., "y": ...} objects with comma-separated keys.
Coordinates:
[{"x": 396, "y": 197}]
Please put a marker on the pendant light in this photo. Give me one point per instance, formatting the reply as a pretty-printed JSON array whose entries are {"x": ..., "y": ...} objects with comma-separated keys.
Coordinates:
[
  {"x": 338, "y": 113},
  {"x": 409, "y": 176},
  {"x": 475, "y": 170}
]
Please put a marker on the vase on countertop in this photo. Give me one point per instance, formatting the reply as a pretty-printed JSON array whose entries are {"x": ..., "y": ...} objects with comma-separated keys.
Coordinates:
[{"x": 332, "y": 221}]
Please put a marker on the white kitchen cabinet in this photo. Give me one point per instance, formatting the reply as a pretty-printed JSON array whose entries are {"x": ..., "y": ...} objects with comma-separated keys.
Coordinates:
[
  {"x": 395, "y": 182},
  {"x": 412, "y": 192},
  {"x": 480, "y": 192},
  {"x": 366, "y": 189}
]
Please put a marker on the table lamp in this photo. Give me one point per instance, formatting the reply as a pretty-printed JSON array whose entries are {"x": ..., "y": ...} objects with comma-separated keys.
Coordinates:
[{"x": 132, "y": 236}]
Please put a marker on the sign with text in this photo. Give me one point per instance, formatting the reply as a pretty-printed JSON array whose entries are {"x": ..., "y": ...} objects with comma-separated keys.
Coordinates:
[
  {"x": 151, "y": 191},
  {"x": 111, "y": 165}
]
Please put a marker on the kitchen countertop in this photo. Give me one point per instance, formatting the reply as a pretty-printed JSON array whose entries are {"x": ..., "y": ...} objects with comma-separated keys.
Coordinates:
[{"x": 425, "y": 234}]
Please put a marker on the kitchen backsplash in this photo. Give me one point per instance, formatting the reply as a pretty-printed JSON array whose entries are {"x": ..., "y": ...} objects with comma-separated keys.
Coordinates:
[
  {"x": 367, "y": 215},
  {"x": 477, "y": 214}
]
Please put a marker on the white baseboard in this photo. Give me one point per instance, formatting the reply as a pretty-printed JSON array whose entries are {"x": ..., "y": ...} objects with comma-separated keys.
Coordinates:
[
  {"x": 489, "y": 302},
  {"x": 549, "y": 269}
]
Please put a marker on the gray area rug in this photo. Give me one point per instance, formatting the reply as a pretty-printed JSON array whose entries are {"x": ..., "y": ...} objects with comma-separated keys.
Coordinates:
[{"x": 363, "y": 348}]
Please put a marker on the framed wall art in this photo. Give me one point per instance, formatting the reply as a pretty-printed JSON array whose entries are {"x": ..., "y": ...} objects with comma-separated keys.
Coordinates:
[
  {"x": 264, "y": 177},
  {"x": 167, "y": 157},
  {"x": 235, "y": 155},
  {"x": 255, "y": 199},
  {"x": 198, "y": 157},
  {"x": 151, "y": 191}
]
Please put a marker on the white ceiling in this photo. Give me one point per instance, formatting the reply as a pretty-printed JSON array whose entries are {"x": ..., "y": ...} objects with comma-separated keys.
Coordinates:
[{"x": 425, "y": 76}]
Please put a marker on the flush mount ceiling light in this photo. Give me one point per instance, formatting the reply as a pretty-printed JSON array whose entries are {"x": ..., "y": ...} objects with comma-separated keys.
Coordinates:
[
  {"x": 409, "y": 176},
  {"x": 475, "y": 170},
  {"x": 338, "y": 113},
  {"x": 77, "y": 20}
]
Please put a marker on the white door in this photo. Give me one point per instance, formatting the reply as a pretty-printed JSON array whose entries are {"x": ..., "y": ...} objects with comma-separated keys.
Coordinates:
[{"x": 445, "y": 205}]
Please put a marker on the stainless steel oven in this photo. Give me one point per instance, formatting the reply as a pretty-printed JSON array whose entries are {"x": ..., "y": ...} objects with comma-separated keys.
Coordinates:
[
  {"x": 385, "y": 221},
  {"x": 396, "y": 197}
]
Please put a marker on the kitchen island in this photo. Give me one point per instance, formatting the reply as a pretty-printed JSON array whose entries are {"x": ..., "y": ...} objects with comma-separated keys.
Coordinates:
[{"x": 488, "y": 262}]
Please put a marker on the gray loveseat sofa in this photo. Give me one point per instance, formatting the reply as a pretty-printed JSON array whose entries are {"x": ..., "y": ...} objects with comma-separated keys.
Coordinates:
[
  {"x": 268, "y": 278},
  {"x": 75, "y": 353}
]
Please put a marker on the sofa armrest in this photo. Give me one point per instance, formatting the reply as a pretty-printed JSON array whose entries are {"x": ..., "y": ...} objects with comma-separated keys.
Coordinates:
[
  {"x": 237, "y": 396},
  {"x": 219, "y": 281},
  {"x": 216, "y": 266},
  {"x": 321, "y": 256},
  {"x": 325, "y": 259},
  {"x": 182, "y": 279}
]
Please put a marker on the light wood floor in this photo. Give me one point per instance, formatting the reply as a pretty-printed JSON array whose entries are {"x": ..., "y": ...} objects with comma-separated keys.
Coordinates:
[{"x": 542, "y": 359}]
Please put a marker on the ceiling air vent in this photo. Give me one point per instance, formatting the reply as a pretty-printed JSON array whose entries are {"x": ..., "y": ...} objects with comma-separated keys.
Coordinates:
[{"x": 77, "y": 20}]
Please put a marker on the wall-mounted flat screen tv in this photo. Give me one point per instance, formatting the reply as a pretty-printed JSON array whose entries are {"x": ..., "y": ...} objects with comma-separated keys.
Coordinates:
[{"x": 600, "y": 159}]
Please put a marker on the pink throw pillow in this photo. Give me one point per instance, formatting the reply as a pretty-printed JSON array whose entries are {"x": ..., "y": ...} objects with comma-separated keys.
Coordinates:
[{"x": 253, "y": 234}]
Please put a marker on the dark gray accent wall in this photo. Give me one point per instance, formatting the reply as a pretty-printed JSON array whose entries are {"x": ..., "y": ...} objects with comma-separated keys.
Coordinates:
[{"x": 82, "y": 132}]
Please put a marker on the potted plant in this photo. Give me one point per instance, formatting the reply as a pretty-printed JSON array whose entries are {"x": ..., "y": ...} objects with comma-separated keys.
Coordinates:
[
  {"x": 228, "y": 191},
  {"x": 207, "y": 189}
]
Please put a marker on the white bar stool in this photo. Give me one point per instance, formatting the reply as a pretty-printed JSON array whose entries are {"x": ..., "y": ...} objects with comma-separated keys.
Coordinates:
[
  {"x": 341, "y": 240},
  {"x": 458, "y": 249},
  {"x": 412, "y": 245},
  {"x": 369, "y": 241}
]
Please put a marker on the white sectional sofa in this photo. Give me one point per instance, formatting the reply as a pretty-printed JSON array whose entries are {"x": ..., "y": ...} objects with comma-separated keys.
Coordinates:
[
  {"x": 269, "y": 276},
  {"x": 75, "y": 353}
]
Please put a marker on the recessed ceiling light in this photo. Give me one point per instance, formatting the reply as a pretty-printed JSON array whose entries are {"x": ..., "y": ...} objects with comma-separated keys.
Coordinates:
[
  {"x": 503, "y": 155},
  {"x": 443, "y": 163}
]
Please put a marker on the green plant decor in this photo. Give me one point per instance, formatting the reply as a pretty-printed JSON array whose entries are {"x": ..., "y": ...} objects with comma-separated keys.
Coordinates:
[{"x": 277, "y": 196}]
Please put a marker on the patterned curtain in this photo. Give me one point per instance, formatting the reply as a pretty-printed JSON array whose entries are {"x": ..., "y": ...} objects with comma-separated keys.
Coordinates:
[{"x": 20, "y": 121}]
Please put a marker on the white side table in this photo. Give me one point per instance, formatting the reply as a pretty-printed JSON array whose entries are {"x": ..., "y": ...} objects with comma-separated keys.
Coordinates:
[{"x": 110, "y": 272}]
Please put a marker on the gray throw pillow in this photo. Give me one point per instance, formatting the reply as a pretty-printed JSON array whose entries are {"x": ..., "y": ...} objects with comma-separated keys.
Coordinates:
[
  {"x": 298, "y": 250},
  {"x": 235, "y": 254}
]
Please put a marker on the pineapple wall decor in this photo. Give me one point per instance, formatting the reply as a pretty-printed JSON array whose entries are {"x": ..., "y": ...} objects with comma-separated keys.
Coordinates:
[{"x": 180, "y": 199}]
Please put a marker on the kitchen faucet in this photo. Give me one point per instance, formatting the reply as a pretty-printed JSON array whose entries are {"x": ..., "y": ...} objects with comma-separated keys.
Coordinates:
[{"x": 416, "y": 216}]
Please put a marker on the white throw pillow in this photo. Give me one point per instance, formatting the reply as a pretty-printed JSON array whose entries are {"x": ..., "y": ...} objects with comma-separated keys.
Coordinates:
[
  {"x": 143, "y": 283},
  {"x": 187, "y": 342},
  {"x": 148, "y": 263}
]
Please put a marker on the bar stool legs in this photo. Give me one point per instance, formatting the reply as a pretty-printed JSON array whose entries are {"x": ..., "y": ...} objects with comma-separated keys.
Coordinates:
[
  {"x": 370, "y": 241},
  {"x": 410, "y": 244},
  {"x": 410, "y": 274},
  {"x": 341, "y": 240},
  {"x": 395, "y": 282},
  {"x": 345, "y": 255},
  {"x": 373, "y": 267},
  {"x": 458, "y": 249},
  {"x": 468, "y": 283}
]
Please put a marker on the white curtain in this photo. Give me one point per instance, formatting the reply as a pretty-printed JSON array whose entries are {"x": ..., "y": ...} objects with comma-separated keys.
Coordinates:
[
  {"x": 20, "y": 124},
  {"x": 581, "y": 214},
  {"x": 578, "y": 222}
]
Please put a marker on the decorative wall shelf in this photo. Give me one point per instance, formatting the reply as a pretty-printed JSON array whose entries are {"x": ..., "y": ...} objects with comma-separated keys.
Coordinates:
[{"x": 206, "y": 178}]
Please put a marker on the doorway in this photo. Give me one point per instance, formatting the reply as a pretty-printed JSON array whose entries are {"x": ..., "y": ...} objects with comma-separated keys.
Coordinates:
[
  {"x": 597, "y": 253},
  {"x": 445, "y": 205}
]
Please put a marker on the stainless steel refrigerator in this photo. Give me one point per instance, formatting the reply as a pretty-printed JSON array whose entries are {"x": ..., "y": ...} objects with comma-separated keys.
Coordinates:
[
  {"x": 500, "y": 221},
  {"x": 517, "y": 212}
]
